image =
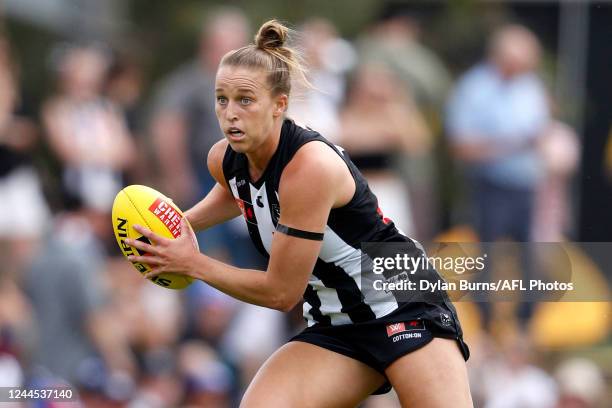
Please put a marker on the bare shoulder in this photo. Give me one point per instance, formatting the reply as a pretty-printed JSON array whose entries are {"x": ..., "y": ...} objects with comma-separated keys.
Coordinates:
[
  {"x": 215, "y": 160},
  {"x": 316, "y": 159},
  {"x": 317, "y": 169}
]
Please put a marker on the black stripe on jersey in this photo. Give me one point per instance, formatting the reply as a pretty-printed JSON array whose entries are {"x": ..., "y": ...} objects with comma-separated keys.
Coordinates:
[
  {"x": 244, "y": 192},
  {"x": 351, "y": 298},
  {"x": 311, "y": 297}
]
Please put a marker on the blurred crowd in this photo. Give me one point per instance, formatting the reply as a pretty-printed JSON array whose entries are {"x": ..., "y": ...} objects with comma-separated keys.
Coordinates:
[{"x": 72, "y": 310}]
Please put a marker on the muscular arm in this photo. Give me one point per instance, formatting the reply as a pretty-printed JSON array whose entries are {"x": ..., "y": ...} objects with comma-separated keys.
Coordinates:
[
  {"x": 219, "y": 205},
  {"x": 292, "y": 259}
]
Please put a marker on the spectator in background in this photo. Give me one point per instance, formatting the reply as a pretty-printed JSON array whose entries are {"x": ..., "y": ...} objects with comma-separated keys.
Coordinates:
[
  {"x": 496, "y": 114},
  {"x": 380, "y": 126},
  {"x": 508, "y": 378},
  {"x": 329, "y": 58},
  {"x": 184, "y": 126},
  {"x": 86, "y": 131},
  {"x": 23, "y": 210},
  {"x": 560, "y": 152},
  {"x": 582, "y": 384},
  {"x": 151, "y": 320},
  {"x": 124, "y": 87},
  {"x": 395, "y": 42},
  {"x": 208, "y": 380},
  {"x": 16, "y": 327},
  {"x": 78, "y": 338}
]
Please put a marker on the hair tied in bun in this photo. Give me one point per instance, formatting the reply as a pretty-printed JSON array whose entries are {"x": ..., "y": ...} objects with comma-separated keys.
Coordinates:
[{"x": 272, "y": 35}]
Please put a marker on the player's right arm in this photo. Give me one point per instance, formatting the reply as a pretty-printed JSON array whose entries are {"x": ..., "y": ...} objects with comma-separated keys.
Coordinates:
[{"x": 219, "y": 204}]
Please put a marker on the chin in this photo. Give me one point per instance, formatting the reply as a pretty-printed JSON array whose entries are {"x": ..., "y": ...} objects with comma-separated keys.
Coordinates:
[{"x": 239, "y": 147}]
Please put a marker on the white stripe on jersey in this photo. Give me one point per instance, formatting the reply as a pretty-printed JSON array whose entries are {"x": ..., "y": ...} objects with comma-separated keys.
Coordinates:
[
  {"x": 262, "y": 214},
  {"x": 234, "y": 188},
  {"x": 306, "y": 308},
  {"x": 335, "y": 250},
  {"x": 330, "y": 303}
]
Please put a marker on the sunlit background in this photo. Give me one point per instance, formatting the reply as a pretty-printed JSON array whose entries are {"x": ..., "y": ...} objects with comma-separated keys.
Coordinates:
[{"x": 472, "y": 121}]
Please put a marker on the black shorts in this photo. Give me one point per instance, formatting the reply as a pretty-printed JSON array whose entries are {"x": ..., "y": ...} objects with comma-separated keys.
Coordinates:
[{"x": 380, "y": 342}]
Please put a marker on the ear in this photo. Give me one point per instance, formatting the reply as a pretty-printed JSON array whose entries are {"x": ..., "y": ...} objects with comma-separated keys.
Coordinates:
[{"x": 280, "y": 105}]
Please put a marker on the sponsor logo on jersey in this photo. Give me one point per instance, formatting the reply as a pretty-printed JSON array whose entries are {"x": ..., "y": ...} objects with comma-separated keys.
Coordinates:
[
  {"x": 240, "y": 205},
  {"x": 395, "y": 328},
  {"x": 247, "y": 210},
  {"x": 168, "y": 215},
  {"x": 406, "y": 336}
]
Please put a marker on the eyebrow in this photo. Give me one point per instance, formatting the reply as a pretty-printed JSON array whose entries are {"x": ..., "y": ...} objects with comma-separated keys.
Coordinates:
[{"x": 243, "y": 90}]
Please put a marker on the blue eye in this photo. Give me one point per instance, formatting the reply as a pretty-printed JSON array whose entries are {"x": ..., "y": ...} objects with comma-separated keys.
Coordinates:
[
  {"x": 222, "y": 100},
  {"x": 245, "y": 101}
]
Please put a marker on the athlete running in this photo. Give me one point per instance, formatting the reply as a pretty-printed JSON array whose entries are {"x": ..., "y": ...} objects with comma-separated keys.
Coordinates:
[{"x": 308, "y": 209}]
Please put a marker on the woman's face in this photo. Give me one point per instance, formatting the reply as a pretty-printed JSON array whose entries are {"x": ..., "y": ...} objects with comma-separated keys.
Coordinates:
[{"x": 245, "y": 107}]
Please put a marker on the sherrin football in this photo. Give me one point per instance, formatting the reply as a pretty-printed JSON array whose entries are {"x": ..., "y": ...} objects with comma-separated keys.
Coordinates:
[{"x": 142, "y": 205}]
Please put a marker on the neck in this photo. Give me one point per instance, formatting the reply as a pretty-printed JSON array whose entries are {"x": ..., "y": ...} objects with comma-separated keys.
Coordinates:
[{"x": 260, "y": 157}]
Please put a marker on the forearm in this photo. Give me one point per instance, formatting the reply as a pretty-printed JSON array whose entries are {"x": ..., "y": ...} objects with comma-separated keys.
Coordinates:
[
  {"x": 215, "y": 208},
  {"x": 248, "y": 285}
]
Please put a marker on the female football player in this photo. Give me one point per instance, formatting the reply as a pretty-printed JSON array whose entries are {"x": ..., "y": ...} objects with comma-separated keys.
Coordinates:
[{"x": 308, "y": 209}]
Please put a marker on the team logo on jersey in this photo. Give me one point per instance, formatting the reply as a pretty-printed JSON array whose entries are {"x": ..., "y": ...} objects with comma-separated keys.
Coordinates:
[
  {"x": 445, "y": 319},
  {"x": 395, "y": 328},
  {"x": 259, "y": 202}
]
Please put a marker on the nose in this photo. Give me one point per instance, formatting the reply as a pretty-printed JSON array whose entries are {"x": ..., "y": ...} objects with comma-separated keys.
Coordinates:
[{"x": 230, "y": 112}]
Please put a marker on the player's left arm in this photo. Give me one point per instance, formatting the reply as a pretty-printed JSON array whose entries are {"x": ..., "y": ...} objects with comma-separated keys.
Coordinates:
[{"x": 314, "y": 182}]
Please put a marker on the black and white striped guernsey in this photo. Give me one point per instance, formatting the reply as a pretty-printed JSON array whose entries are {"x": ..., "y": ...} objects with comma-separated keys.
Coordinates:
[{"x": 333, "y": 295}]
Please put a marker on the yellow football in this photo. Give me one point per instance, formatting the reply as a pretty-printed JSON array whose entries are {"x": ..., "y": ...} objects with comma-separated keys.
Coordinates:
[{"x": 142, "y": 205}]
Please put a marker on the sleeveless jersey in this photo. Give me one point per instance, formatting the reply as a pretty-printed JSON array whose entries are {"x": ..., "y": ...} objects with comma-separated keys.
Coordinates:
[{"x": 333, "y": 295}]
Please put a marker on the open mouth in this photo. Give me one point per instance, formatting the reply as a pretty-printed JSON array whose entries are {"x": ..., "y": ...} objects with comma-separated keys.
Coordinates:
[{"x": 235, "y": 133}]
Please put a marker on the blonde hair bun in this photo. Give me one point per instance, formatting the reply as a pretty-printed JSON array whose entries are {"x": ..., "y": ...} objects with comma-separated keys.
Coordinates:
[{"x": 271, "y": 35}]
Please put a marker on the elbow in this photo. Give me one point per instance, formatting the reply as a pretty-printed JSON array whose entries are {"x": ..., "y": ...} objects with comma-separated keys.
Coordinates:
[{"x": 284, "y": 302}]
